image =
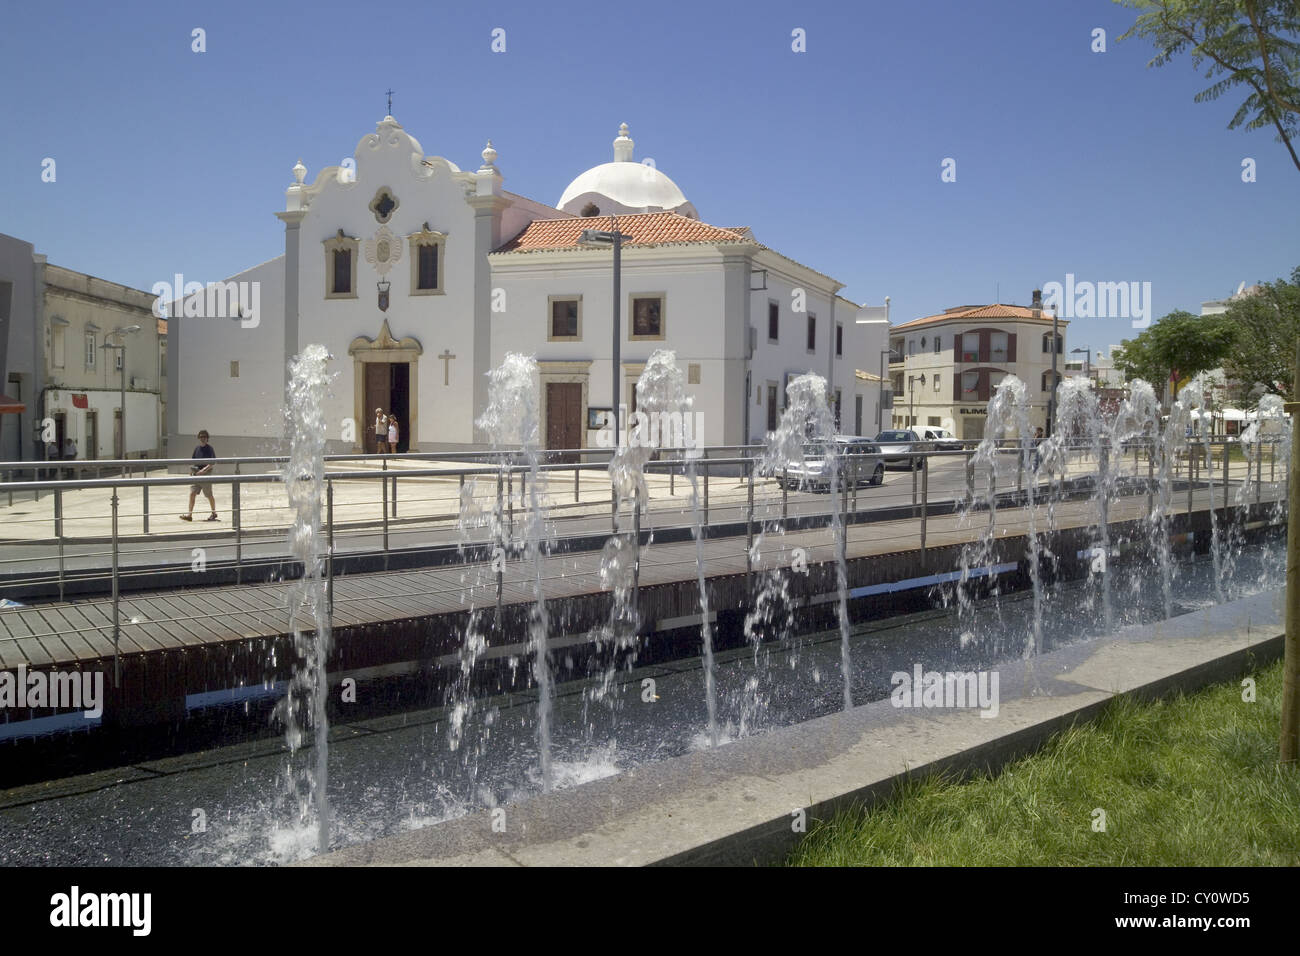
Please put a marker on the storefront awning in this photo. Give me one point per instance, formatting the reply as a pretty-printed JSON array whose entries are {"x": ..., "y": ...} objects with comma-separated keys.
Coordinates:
[{"x": 11, "y": 406}]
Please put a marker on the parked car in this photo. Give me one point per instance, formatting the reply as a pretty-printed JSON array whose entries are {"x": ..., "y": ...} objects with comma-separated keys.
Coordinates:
[
  {"x": 899, "y": 447},
  {"x": 860, "y": 463},
  {"x": 941, "y": 438}
]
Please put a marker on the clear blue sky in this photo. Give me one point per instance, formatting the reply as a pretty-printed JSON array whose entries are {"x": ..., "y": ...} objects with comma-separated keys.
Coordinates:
[{"x": 1067, "y": 160}]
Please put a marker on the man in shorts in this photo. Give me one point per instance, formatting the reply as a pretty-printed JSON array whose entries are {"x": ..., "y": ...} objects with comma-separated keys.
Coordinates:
[{"x": 204, "y": 451}]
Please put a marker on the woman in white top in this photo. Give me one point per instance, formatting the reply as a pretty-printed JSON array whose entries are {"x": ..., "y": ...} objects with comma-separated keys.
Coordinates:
[{"x": 392, "y": 434}]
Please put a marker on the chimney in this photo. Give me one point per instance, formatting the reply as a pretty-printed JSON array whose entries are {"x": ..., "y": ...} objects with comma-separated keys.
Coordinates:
[{"x": 1037, "y": 303}]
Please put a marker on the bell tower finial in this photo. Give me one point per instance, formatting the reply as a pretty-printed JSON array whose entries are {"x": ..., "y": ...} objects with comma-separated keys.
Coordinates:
[{"x": 623, "y": 146}]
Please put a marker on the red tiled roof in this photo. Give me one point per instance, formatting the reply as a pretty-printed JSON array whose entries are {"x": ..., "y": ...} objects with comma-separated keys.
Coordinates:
[
  {"x": 645, "y": 229},
  {"x": 968, "y": 312}
]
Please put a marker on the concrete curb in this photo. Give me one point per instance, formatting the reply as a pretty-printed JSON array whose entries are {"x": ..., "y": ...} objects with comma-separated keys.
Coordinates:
[{"x": 733, "y": 805}]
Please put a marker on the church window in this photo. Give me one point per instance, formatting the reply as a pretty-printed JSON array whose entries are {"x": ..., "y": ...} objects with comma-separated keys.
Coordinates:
[
  {"x": 773, "y": 321},
  {"x": 341, "y": 266},
  {"x": 90, "y": 350},
  {"x": 58, "y": 348},
  {"x": 383, "y": 205},
  {"x": 565, "y": 318},
  {"x": 342, "y": 284},
  {"x": 812, "y": 332},
  {"x": 428, "y": 256},
  {"x": 428, "y": 278},
  {"x": 647, "y": 312},
  {"x": 839, "y": 339}
]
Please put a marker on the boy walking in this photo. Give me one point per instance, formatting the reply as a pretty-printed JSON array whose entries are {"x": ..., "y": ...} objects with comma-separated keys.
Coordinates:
[{"x": 204, "y": 452}]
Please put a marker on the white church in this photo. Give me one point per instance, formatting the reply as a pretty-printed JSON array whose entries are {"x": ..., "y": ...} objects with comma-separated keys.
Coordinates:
[{"x": 419, "y": 278}]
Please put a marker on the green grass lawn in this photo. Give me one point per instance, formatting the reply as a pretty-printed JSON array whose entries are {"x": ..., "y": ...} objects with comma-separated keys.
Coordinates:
[{"x": 1188, "y": 781}]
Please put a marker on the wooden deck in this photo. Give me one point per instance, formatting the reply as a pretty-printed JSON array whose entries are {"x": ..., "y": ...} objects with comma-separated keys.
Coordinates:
[{"x": 80, "y": 633}]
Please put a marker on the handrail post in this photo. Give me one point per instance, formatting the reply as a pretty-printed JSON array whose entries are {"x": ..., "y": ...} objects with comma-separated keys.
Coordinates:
[
  {"x": 499, "y": 557},
  {"x": 1151, "y": 477},
  {"x": 1225, "y": 481},
  {"x": 970, "y": 478},
  {"x": 705, "y": 459},
  {"x": 145, "y": 506},
  {"x": 785, "y": 493},
  {"x": 925, "y": 507},
  {"x": 236, "y": 513},
  {"x": 117, "y": 626},
  {"x": 383, "y": 482},
  {"x": 510, "y": 501},
  {"x": 749, "y": 531},
  {"x": 575, "y": 485},
  {"x": 329, "y": 532},
  {"x": 58, "y": 531},
  {"x": 1259, "y": 464},
  {"x": 394, "y": 494},
  {"x": 636, "y": 553}
]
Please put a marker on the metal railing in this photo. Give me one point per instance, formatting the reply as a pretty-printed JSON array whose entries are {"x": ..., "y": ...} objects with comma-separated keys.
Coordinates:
[{"x": 734, "y": 490}]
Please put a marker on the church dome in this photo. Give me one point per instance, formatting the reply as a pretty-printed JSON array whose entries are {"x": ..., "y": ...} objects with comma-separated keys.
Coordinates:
[{"x": 624, "y": 186}]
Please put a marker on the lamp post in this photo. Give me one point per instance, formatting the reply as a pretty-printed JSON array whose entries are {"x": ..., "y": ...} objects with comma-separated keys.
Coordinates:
[
  {"x": 1051, "y": 395},
  {"x": 121, "y": 349},
  {"x": 1087, "y": 363},
  {"x": 614, "y": 238}
]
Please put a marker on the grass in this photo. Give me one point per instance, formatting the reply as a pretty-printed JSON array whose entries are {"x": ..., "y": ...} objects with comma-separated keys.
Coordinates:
[{"x": 1186, "y": 781}]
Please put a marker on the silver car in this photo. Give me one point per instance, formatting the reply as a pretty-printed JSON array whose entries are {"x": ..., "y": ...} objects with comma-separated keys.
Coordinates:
[
  {"x": 860, "y": 463},
  {"x": 899, "y": 447}
]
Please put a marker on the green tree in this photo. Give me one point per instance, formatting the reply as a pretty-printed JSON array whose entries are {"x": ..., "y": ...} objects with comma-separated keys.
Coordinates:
[
  {"x": 1177, "y": 346},
  {"x": 1250, "y": 43},
  {"x": 1268, "y": 324}
]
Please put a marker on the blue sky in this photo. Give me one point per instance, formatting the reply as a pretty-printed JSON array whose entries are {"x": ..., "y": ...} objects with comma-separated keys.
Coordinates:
[{"x": 1068, "y": 161}]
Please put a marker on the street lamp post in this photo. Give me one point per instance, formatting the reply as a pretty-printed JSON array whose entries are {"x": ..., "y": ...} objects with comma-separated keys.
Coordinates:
[
  {"x": 1051, "y": 395},
  {"x": 1087, "y": 362},
  {"x": 121, "y": 349},
  {"x": 614, "y": 238}
]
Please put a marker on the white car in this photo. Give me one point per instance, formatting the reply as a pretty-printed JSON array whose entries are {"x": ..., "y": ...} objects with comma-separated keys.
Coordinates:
[
  {"x": 860, "y": 462},
  {"x": 942, "y": 439},
  {"x": 899, "y": 447}
]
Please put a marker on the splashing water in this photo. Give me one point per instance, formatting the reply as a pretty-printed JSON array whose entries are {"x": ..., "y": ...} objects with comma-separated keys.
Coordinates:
[
  {"x": 302, "y": 710},
  {"x": 511, "y": 421},
  {"x": 807, "y": 419}
]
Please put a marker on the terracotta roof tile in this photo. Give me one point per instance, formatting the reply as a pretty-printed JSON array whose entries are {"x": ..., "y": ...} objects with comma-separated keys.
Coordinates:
[
  {"x": 645, "y": 229},
  {"x": 970, "y": 312}
]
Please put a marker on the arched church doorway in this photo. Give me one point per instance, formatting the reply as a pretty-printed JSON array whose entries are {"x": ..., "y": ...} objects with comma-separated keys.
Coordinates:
[{"x": 386, "y": 375}]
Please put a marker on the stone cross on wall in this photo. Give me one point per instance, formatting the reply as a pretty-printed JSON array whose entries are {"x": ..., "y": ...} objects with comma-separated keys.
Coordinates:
[{"x": 446, "y": 357}]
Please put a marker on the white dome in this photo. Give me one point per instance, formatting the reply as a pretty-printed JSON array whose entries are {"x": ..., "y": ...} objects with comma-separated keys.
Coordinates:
[{"x": 624, "y": 186}]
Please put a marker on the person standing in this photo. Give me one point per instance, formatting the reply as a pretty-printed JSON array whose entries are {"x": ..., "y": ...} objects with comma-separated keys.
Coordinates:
[
  {"x": 203, "y": 452},
  {"x": 392, "y": 434},
  {"x": 69, "y": 454},
  {"x": 381, "y": 431}
]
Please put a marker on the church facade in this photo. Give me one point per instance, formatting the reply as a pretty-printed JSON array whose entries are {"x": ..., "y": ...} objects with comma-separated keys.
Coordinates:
[{"x": 419, "y": 277}]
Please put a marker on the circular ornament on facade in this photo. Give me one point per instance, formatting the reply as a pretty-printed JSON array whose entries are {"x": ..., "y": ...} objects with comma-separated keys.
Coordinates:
[{"x": 383, "y": 251}]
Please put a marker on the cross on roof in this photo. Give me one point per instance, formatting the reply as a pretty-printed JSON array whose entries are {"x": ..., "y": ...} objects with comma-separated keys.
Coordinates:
[{"x": 390, "y": 103}]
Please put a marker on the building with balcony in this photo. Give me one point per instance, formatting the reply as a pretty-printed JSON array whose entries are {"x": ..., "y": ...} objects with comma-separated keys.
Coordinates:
[{"x": 945, "y": 367}]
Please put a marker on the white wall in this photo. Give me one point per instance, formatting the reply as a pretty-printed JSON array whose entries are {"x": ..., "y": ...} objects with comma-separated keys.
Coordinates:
[
  {"x": 437, "y": 322},
  {"x": 692, "y": 281},
  {"x": 208, "y": 396}
]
